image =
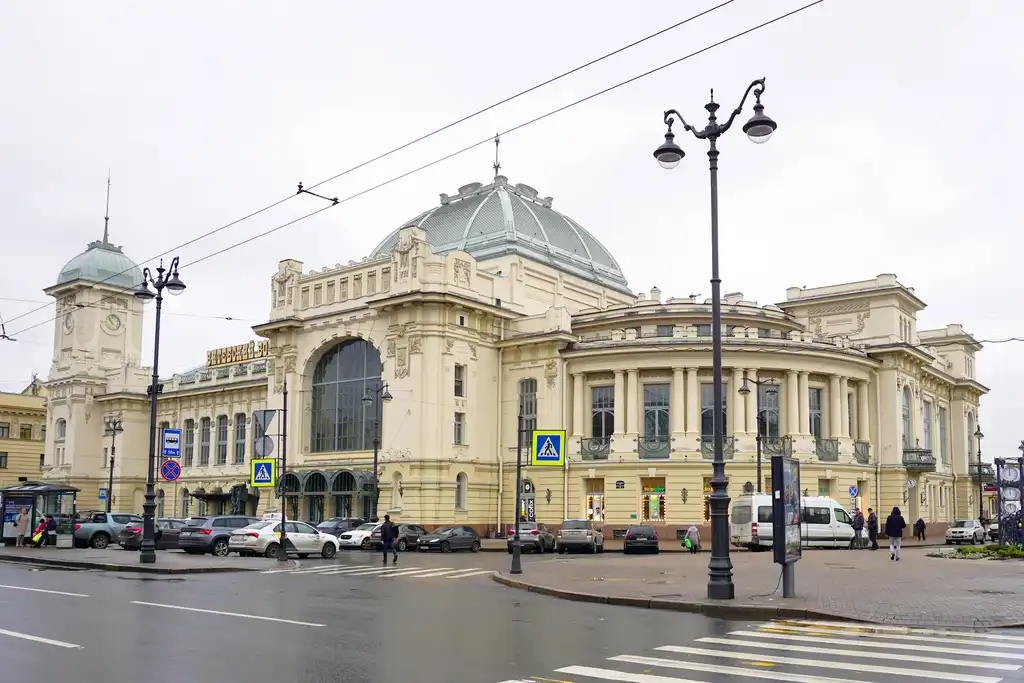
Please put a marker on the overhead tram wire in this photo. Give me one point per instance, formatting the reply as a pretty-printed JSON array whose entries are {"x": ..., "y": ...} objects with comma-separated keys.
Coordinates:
[
  {"x": 485, "y": 141},
  {"x": 228, "y": 318},
  {"x": 415, "y": 141}
]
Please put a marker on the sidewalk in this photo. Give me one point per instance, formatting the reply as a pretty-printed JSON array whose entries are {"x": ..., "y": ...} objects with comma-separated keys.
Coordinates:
[
  {"x": 854, "y": 585},
  {"x": 495, "y": 545},
  {"x": 115, "y": 559}
]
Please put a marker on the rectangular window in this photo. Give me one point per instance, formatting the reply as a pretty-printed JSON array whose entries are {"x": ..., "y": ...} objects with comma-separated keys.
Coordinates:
[
  {"x": 850, "y": 403},
  {"x": 222, "y": 440},
  {"x": 942, "y": 434},
  {"x": 371, "y": 283},
  {"x": 304, "y": 298},
  {"x": 528, "y": 407},
  {"x": 602, "y": 411},
  {"x": 927, "y": 433},
  {"x": 707, "y": 410},
  {"x": 239, "y": 438},
  {"x": 652, "y": 504},
  {"x": 768, "y": 396},
  {"x": 26, "y": 432},
  {"x": 106, "y": 459},
  {"x": 703, "y": 330},
  {"x": 189, "y": 437},
  {"x": 204, "y": 442},
  {"x": 5, "y": 430},
  {"x": 42, "y": 460},
  {"x": 656, "y": 409},
  {"x": 460, "y": 380},
  {"x": 357, "y": 286},
  {"x": 3, "y": 461},
  {"x": 385, "y": 279},
  {"x": 318, "y": 295},
  {"x": 460, "y": 427},
  {"x": 815, "y": 413},
  {"x": 665, "y": 330},
  {"x": 330, "y": 292},
  {"x": 343, "y": 290}
]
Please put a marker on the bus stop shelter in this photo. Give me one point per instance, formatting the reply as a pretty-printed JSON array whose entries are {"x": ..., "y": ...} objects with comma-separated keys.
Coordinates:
[{"x": 40, "y": 499}]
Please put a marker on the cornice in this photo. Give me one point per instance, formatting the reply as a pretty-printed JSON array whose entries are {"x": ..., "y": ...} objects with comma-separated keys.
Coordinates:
[
  {"x": 445, "y": 298},
  {"x": 794, "y": 349}
]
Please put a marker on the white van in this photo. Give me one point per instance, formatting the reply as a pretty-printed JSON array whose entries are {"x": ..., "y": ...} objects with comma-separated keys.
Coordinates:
[{"x": 824, "y": 523}]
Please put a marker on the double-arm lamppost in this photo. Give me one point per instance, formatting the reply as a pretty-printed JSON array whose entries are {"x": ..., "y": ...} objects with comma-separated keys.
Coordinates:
[
  {"x": 759, "y": 128},
  {"x": 113, "y": 428},
  {"x": 761, "y": 422},
  {"x": 165, "y": 278},
  {"x": 981, "y": 484},
  {"x": 376, "y": 397}
]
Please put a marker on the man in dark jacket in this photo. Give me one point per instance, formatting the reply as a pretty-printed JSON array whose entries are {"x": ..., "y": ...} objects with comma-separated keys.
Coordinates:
[
  {"x": 388, "y": 538},
  {"x": 858, "y": 530},
  {"x": 873, "y": 529},
  {"x": 894, "y": 526}
]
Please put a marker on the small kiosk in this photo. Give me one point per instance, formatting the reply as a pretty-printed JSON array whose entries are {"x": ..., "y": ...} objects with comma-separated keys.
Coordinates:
[{"x": 40, "y": 499}]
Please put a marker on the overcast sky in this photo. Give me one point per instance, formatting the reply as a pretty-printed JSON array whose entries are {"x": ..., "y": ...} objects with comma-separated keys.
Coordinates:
[{"x": 895, "y": 151}]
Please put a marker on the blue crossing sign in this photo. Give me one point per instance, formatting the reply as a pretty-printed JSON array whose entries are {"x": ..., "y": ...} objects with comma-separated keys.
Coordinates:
[
  {"x": 548, "y": 447},
  {"x": 262, "y": 472},
  {"x": 171, "y": 443},
  {"x": 170, "y": 470}
]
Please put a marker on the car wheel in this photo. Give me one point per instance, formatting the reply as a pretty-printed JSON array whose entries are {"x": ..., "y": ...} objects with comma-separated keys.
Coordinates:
[
  {"x": 446, "y": 547},
  {"x": 100, "y": 541},
  {"x": 476, "y": 547},
  {"x": 272, "y": 551},
  {"x": 220, "y": 548},
  {"x": 560, "y": 549},
  {"x": 365, "y": 544},
  {"x": 402, "y": 545},
  {"x": 329, "y": 551}
]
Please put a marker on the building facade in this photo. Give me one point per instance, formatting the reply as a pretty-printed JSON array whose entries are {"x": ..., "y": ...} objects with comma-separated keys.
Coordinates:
[
  {"x": 492, "y": 304},
  {"x": 22, "y": 434}
]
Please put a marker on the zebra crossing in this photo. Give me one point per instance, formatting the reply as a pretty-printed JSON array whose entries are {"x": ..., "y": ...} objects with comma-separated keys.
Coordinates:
[
  {"x": 809, "y": 651},
  {"x": 384, "y": 572}
]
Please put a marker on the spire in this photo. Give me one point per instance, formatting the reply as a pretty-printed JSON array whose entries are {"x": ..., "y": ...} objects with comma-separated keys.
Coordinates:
[
  {"x": 497, "y": 164},
  {"x": 106, "y": 215}
]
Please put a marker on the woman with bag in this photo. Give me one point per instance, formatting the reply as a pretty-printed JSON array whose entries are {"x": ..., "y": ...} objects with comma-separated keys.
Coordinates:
[
  {"x": 39, "y": 535},
  {"x": 21, "y": 527}
]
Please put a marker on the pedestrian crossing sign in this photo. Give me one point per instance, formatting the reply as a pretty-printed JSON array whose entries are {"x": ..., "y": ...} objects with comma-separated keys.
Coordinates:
[
  {"x": 262, "y": 472},
  {"x": 548, "y": 447}
]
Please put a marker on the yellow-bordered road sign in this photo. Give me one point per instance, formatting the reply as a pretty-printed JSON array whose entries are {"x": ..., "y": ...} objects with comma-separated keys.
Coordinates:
[
  {"x": 548, "y": 447},
  {"x": 262, "y": 472}
]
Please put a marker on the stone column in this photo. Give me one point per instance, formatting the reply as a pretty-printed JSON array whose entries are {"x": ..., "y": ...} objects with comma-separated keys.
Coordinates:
[
  {"x": 835, "y": 416},
  {"x": 792, "y": 403},
  {"x": 805, "y": 403},
  {"x": 752, "y": 402},
  {"x": 692, "y": 402},
  {"x": 676, "y": 402},
  {"x": 863, "y": 413},
  {"x": 578, "y": 406},
  {"x": 844, "y": 407},
  {"x": 739, "y": 413},
  {"x": 620, "y": 403},
  {"x": 633, "y": 401}
]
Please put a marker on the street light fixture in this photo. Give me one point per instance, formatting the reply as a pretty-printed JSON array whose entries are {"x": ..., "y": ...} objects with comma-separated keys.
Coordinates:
[
  {"x": 981, "y": 485},
  {"x": 165, "y": 278},
  {"x": 761, "y": 425},
  {"x": 759, "y": 128},
  {"x": 113, "y": 427},
  {"x": 379, "y": 395}
]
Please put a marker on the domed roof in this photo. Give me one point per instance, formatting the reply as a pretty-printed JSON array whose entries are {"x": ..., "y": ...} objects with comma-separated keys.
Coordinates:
[
  {"x": 102, "y": 262},
  {"x": 488, "y": 221}
]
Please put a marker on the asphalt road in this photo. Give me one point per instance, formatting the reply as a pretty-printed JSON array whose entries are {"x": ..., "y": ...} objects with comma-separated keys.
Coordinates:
[{"x": 350, "y": 621}]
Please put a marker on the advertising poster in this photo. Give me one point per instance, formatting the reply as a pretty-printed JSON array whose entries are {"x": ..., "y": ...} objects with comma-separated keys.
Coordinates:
[{"x": 786, "y": 509}]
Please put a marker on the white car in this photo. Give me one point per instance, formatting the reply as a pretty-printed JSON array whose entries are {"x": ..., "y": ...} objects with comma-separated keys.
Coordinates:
[
  {"x": 965, "y": 531},
  {"x": 358, "y": 537},
  {"x": 264, "y": 538}
]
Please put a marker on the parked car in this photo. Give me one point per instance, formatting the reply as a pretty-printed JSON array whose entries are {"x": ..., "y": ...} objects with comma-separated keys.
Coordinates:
[
  {"x": 823, "y": 524},
  {"x": 965, "y": 531},
  {"x": 533, "y": 537},
  {"x": 166, "y": 534},
  {"x": 450, "y": 538},
  {"x": 993, "y": 530},
  {"x": 579, "y": 534},
  {"x": 408, "y": 535},
  {"x": 96, "y": 528},
  {"x": 264, "y": 538},
  {"x": 336, "y": 526},
  {"x": 210, "y": 534},
  {"x": 640, "y": 538},
  {"x": 358, "y": 537}
]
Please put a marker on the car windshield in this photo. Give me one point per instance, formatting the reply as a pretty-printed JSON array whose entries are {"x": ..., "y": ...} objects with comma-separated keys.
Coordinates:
[
  {"x": 962, "y": 523},
  {"x": 367, "y": 527},
  {"x": 259, "y": 525},
  {"x": 575, "y": 524},
  {"x": 325, "y": 525},
  {"x": 443, "y": 530},
  {"x": 640, "y": 530},
  {"x": 195, "y": 521}
]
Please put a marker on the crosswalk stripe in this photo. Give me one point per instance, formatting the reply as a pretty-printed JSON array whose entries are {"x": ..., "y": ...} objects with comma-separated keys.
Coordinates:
[
  {"x": 868, "y": 643},
  {"x": 354, "y": 570},
  {"x": 826, "y": 664},
  {"x": 476, "y": 572},
  {"x": 435, "y": 573},
  {"x": 871, "y": 628},
  {"x": 855, "y": 653},
  {"x": 953, "y": 638},
  {"x": 368, "y": 572},
  {"x": 609, "y": 675},
  {"x": 408, "y": 571},
  {"x": 691, "y": 665},
  {"x": 313, "y": 570}
]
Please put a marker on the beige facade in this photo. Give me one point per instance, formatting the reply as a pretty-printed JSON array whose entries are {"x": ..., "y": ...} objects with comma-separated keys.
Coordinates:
[
  {"x": 493, "y": 302},
  {"x": 22, "y": 434}
]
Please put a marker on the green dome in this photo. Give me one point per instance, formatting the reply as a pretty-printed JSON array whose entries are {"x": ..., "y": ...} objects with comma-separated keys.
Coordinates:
[{"x": 102, "y": 262}]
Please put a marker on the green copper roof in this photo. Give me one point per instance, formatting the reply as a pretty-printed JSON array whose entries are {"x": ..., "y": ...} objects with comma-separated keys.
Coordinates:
[{"x": 102, "y": 262}]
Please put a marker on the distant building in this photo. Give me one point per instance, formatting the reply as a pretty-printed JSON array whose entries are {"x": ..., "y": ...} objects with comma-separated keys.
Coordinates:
[
  {"x": 494, "y": 303},
  {"x": 22, "y": 434}
]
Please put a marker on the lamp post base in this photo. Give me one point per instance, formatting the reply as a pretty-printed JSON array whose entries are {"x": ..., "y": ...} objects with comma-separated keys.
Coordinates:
[
  {"x": 721, "y": 591},
  {"x": 147, "y": 551}
]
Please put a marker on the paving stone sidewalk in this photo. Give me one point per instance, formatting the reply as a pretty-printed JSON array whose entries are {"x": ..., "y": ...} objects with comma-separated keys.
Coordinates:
[
  {"x": 115, "y": 559},
  {"x": 860, "y": 585}
]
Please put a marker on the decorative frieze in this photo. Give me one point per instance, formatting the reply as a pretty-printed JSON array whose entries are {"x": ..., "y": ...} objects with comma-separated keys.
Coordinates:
[{"x": 551, "y": 372}]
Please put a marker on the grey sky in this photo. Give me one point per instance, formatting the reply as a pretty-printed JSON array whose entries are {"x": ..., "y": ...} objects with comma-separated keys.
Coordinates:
[{"x": 893, "y": 153}]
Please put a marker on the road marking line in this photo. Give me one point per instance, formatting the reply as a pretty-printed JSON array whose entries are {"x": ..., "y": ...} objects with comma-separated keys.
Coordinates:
[
  {"x": 826, "y": 664},
  {"x": 435, "y": 573},
  {"x": 365, "y": 571},
  {"x": 40, "y": 590},
  {"x": 475, "y": 572},
  {"x": 730, "y": 670},
  {"x": 314, "y": 570},
  {"x": 37, "y": 639},
  {"x": 874, "y": 628},
  {"x": 868, "y": 643},
  {"x": 225, "y": 614},
  {"x": 415, "y": 573},
  {"x": 952, "y": 639},
  {"x": 609, "y": 675},
  {"x": 853, "y": 653}
]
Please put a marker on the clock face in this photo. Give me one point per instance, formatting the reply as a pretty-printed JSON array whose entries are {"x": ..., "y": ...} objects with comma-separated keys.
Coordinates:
[
  {"x": 1010, "y": 474},
  {"x": 112, "y": 322},
  {"x": 69, "y": 322}
]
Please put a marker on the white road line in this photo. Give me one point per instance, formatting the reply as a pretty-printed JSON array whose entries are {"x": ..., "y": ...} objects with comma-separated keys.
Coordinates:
[
  {"x": 872, "y": 628},
  {"x": 313, "y": 570},
  {"x": 826, "y": 664},
  {"x": 225, "y": 614},
  {"x": 475, "y": 572},
  {"x": 37, "y": 639},
  {"x": 868, "y": 643},
  {"x": 435, "y": 573},
  {"x": 730, "y": 670},
  {"x": 40, "y": 590},
  {"x": 609, "y": 675},
  {"x": 415, "y": 573},
  {"x": 365, "y": 571},
  {"x": 855, "y": 653},
  {"x": 951, "y": 639}
]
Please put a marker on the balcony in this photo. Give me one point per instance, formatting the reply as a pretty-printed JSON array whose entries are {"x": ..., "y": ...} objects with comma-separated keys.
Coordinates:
[
  {"x": 919, "y": 459},
  {"x": 777, "y": 445},
  {"x": 988, "y": 473},
  {"x": 862, "y": 452},
  {"x": 595, "y": 447},
  {"x": 707, "y": 447},
  {"x": 654, "y": 447},
  {"x": 827, "y": 450}
]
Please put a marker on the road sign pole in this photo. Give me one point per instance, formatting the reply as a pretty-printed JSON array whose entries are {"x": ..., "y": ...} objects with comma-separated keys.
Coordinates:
[
  {"x": 517, "y": 560},
  {"x": 283, "y": 555}
]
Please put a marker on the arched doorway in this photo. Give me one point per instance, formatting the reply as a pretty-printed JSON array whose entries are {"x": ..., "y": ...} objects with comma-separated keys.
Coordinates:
[
  {"x": 315, "y": 489},
  {"x": 528, "y": 502},
  {"x": 343, "y": 494},
  {"x": 293, "y": 494}
]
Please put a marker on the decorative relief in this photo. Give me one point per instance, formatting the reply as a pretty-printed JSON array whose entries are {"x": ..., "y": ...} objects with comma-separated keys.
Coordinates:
[
  {"x": 861, "y": 317},
  {"x": 414, "y": 345},
  {"x": 600, "y": 376},
  {"x": 459, "y": 452},
  {"x": 462, "y": 270},
  {"x": 815, "y": 324},
  {"x": 448, "y": 345},
  {"x": 390, "y": 352},
  {"x": 472, "y": 351},
  {"x": 402, "y": 329},
  {"x": 551, "y": 372},
  {"x": 837, "y": 308},
  {"x": 402, "y": 363}
]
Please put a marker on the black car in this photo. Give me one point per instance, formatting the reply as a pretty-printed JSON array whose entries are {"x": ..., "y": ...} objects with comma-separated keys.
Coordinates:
[
  {"x": 640, "y": 538},
  {"x": 166, "y": 532},
  {"x": 449, "y": 538},
  {"x": 408, "y": 535},
  {"x": 336, "y": 526},
  {"x": 210, "y": 534}
]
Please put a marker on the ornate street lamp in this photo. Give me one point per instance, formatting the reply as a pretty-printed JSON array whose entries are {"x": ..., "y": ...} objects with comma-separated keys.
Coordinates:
[
  {"x": 981, "y": 484},
  {"x": 379, "y": 396},
  {"x": 761, "y": 426},
  {"x": 112, "y": 428},
  {"x": 759, "y": 129}
]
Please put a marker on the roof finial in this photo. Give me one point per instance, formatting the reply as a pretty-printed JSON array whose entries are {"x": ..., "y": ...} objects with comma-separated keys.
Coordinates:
[
  {"x": 497, "y": 164},
  {"x": 106, "y": 215}
]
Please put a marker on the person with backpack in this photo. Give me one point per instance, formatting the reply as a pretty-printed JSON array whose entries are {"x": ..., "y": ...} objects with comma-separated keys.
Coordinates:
[
  {"x": 894, "y": 526},
  {"x": 389, "y": 539}
]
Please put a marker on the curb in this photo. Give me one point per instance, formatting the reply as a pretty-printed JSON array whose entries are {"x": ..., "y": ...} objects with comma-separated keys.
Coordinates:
[{"x": 112, "y": 567}]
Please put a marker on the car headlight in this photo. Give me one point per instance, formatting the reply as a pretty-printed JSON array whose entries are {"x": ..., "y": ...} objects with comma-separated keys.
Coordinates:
[{"x": 433, "y": 540}]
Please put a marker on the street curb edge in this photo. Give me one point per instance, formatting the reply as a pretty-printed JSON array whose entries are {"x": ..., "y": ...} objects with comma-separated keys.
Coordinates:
[{"x": 112, "y": 567}]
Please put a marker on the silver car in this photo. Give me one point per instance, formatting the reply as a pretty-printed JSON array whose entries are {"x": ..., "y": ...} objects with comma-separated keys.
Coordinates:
[
  {"x": 579, "y": 534},
  {"x": 965, "y": 531}
]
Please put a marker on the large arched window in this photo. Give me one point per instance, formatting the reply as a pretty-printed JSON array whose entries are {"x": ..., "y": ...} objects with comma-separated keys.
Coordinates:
[
  {"x": 908, "y": 435},
  {"x": 62, "y": 429},
  {"x": 340, "y": 421}
]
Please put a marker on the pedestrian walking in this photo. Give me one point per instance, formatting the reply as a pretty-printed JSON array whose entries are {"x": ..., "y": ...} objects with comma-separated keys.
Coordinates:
[
  {"x": 21, "y": 527},
  {"x": 919, "y": 528},
  {"x": 39, "y": 535},
  {"x": 389, "y": 539},
  {"x": 858, "y": 530},
  {"x": 894, "y": 526},
  {"x": 693, "y": 536},
  {"x": 873, "y": 529}
]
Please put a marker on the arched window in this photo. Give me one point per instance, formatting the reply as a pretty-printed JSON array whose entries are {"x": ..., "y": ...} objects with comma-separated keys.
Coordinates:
[
  {"x": 239, "y": 438},
  {"x": 185, "y": 500},
  {"x": 970, "y": 435},
  {"x": 908, "y": 435},
  {"x": 340, "y": 421},
  {"x": 189, "y": 438},
  {"x": 160, "y": 498},
  {"x": 62, "y": 429},
  {"x": 461, "y": 487}
]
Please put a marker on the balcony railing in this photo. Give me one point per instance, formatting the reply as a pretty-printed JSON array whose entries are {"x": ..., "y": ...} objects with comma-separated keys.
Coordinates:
[
  {"x": 654, "y": 447},
  {"x": 919, "y": 459},
  {"x": 707, "y": 447},
  {"x": 827, "y": 450},
  {"x": 988, "y": 474},
  {"x": 862, "y": 452},
  {"x": 776, "y": 445},
  {"x": 595, "y": 447}
]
